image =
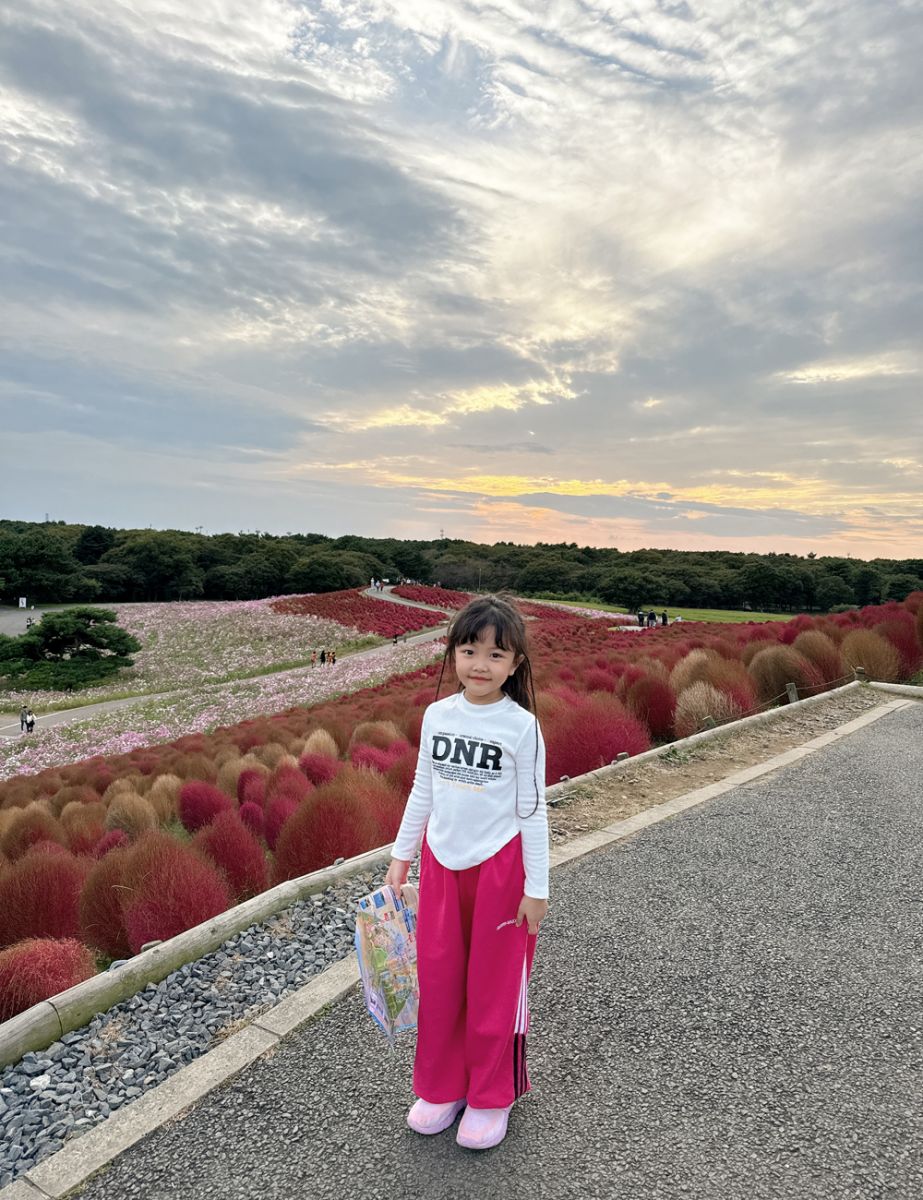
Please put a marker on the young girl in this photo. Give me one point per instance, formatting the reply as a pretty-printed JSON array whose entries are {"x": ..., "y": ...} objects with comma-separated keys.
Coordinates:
[{"x": 479, "y": 792}]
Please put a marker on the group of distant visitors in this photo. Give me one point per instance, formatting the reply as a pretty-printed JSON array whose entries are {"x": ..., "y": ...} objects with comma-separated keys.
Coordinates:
[
  {"x": 26, "y": 719},
  {"x": 326, "y": 658},
  {"x": 377, "y": 585},
  {"x": 648, "y": 620}
]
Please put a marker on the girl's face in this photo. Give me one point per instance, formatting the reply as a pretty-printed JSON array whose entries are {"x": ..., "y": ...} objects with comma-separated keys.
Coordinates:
[{"x": 482, "y": 667}]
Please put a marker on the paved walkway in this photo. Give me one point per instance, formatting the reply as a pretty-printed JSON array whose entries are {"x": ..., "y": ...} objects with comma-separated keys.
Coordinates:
[{"x": 727, "y": 1005}]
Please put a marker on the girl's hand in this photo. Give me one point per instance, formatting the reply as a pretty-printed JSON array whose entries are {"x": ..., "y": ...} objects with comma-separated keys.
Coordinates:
[
  {"x": 397, "y": 875},
  {"x": 534, "y": 911}
]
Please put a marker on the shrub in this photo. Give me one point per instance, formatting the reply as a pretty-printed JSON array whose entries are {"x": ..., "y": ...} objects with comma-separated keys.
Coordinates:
[
  {"x": 71, "y": 795},
  {"x": 869, "y": 650},
  {"x": 278, "y": 811},
  {"x": 653, "y": 702},
  {"x": 37, "y": 968},
  {"x": 131, "y": 813},
  {"x": 39, "y": 894},
  {"x": 164, "y": 797},
  {"x": 169, "y": 888},
  {"x": 100, "y": 905},
  {"x": 590, "y": 735},
  {"x": 402, "y": 771},
  {"x": 287, "y": 781},
  {"x": 375, "y": 733},
  {"x": 84, "y": 825},
  {"x": 821, "y": 650},
  {"x": 902, "y": 635},
  {"x": 195, "y": 767},
  {"x": 110, "y": 841},
  {"x": 322, "y": 742},
  {"x": 701, "y": 700},
  {"x": 233, "y": 848},
  {"x": 251, "y": 786},
  {"x": 697, "y": 665},
  {"x": 598, "y": 680},
  {"x": 271, "y": 754},
  {"x": 200, "y": 803},
  {"x": 750, "y": 651},
  {"x": 253, "y": 817},
  {"x": 335, "y": 822},
  {"x": 28, "y": 827},
  {"x": 771, "y": 669},
  {"x": 229, "y": 773},
  {"x": 319, "y": 768}
]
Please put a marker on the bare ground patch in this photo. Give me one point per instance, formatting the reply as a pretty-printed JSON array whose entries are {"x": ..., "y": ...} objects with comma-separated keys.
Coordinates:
[{"x": 623, "y": 793}]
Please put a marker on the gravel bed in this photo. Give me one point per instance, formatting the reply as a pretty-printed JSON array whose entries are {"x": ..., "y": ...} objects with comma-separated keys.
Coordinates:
[{"x": 56, "y": 1094}]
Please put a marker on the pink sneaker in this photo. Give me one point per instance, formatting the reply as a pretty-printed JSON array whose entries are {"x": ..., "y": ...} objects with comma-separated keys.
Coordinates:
[
  {"x": 482, "y": 1128},
  {"x": 433, "y": 1118}
]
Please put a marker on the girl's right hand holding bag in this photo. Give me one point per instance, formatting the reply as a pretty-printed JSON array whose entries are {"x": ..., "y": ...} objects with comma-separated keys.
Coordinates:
[{"x": 397, "y": 875}]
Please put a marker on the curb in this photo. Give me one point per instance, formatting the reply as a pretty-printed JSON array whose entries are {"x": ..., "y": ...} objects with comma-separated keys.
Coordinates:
[{"x": 84, "y": 1156}]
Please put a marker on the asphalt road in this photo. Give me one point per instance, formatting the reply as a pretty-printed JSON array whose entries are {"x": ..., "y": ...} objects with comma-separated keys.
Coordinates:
[{"x": 728, "y": 1005}]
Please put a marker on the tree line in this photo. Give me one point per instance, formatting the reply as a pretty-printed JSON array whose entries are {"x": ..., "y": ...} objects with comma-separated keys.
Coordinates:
[{"x": 56, "y": 562}]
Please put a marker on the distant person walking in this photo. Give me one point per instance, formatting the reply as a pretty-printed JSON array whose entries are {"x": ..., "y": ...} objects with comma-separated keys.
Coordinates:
[
  {"x": 30, "y": 721},
  {"x": 323, "y": 657},
  {"x": 333, "y": 658},
  {"x": 23, "y": 714},
  {"x": 664, "y": 619},
  {"x": 651, "y": 619},
  {"x": 313, "y": 658}
]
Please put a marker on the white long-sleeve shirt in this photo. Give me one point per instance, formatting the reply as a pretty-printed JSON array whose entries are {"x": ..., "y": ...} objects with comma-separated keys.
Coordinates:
[{"x": 480, "y": 771}]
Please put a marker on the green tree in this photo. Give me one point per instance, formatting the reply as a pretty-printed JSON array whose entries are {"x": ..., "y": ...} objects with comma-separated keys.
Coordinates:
[
  {"x": 160, "y": 566},
  {"x": 93, "y": 543},
  {"x": 832, "y": 590},
  {"x": 900, "y": 585},
  {"x": 634, "y": 586},
  {"x": 867, "y": 585},
  {"x": 326, "y": 571},
  {"x": 69, "y": 649}
]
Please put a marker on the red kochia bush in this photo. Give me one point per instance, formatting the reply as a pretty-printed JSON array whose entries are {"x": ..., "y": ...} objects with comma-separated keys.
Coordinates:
[
  {"x": 253, "y": 817},
  {"x": 110, "y": 841},
  {"x": 653, "y": 702},
  {"x": 590, "y": 736},
  {"x": 356, "y": 812},
  {"x": 251, "y": 786},
  {"x": 289, "y": 782},
  {"x": 278, "y": 811},
  {"x": 201, "y": 802},
  {"x": 234, "y": 849},
  {"x": 39, "y": 894},
  {"x": 29, "y": 826},
  {"x": 37, "y": 968},
  {"x": 319, "y": 768},
  {"x": 100, "y": 906},
  {"x": 169, "y": 888}
]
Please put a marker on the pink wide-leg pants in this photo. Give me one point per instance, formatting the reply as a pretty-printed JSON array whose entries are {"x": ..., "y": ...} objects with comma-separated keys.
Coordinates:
[{"x": 473, "y": 966}]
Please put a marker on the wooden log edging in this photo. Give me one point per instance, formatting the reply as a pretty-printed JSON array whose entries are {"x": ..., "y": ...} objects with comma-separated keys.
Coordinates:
[
  {"x": 46, "y": 1022},
  {"x": 899, "y": 689}
]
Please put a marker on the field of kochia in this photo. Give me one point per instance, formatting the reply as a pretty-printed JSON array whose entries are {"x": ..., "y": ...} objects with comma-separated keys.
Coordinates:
[{"x": 99, "y": 857}]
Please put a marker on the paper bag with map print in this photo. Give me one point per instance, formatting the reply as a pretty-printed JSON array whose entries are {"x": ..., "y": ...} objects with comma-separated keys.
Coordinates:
[{"x": 386, "y": 946}]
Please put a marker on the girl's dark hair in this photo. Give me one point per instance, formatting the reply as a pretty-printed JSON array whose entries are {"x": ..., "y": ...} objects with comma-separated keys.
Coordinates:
[{"x": 500, "y": 614}]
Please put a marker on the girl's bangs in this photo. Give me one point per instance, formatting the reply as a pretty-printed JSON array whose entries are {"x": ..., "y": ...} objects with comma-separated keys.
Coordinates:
[{"x": 472, "y": 622}]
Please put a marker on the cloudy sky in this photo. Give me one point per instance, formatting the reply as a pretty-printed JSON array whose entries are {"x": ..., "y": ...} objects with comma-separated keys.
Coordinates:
[{"x": 636, "y": 274}]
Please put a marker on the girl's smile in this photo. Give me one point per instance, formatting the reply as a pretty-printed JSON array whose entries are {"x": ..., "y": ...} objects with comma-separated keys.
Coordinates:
[{"x": 483, "y": 667}]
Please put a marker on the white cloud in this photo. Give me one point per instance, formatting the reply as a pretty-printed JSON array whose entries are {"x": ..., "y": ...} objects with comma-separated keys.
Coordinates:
[{"x": 379, "y": 223}]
